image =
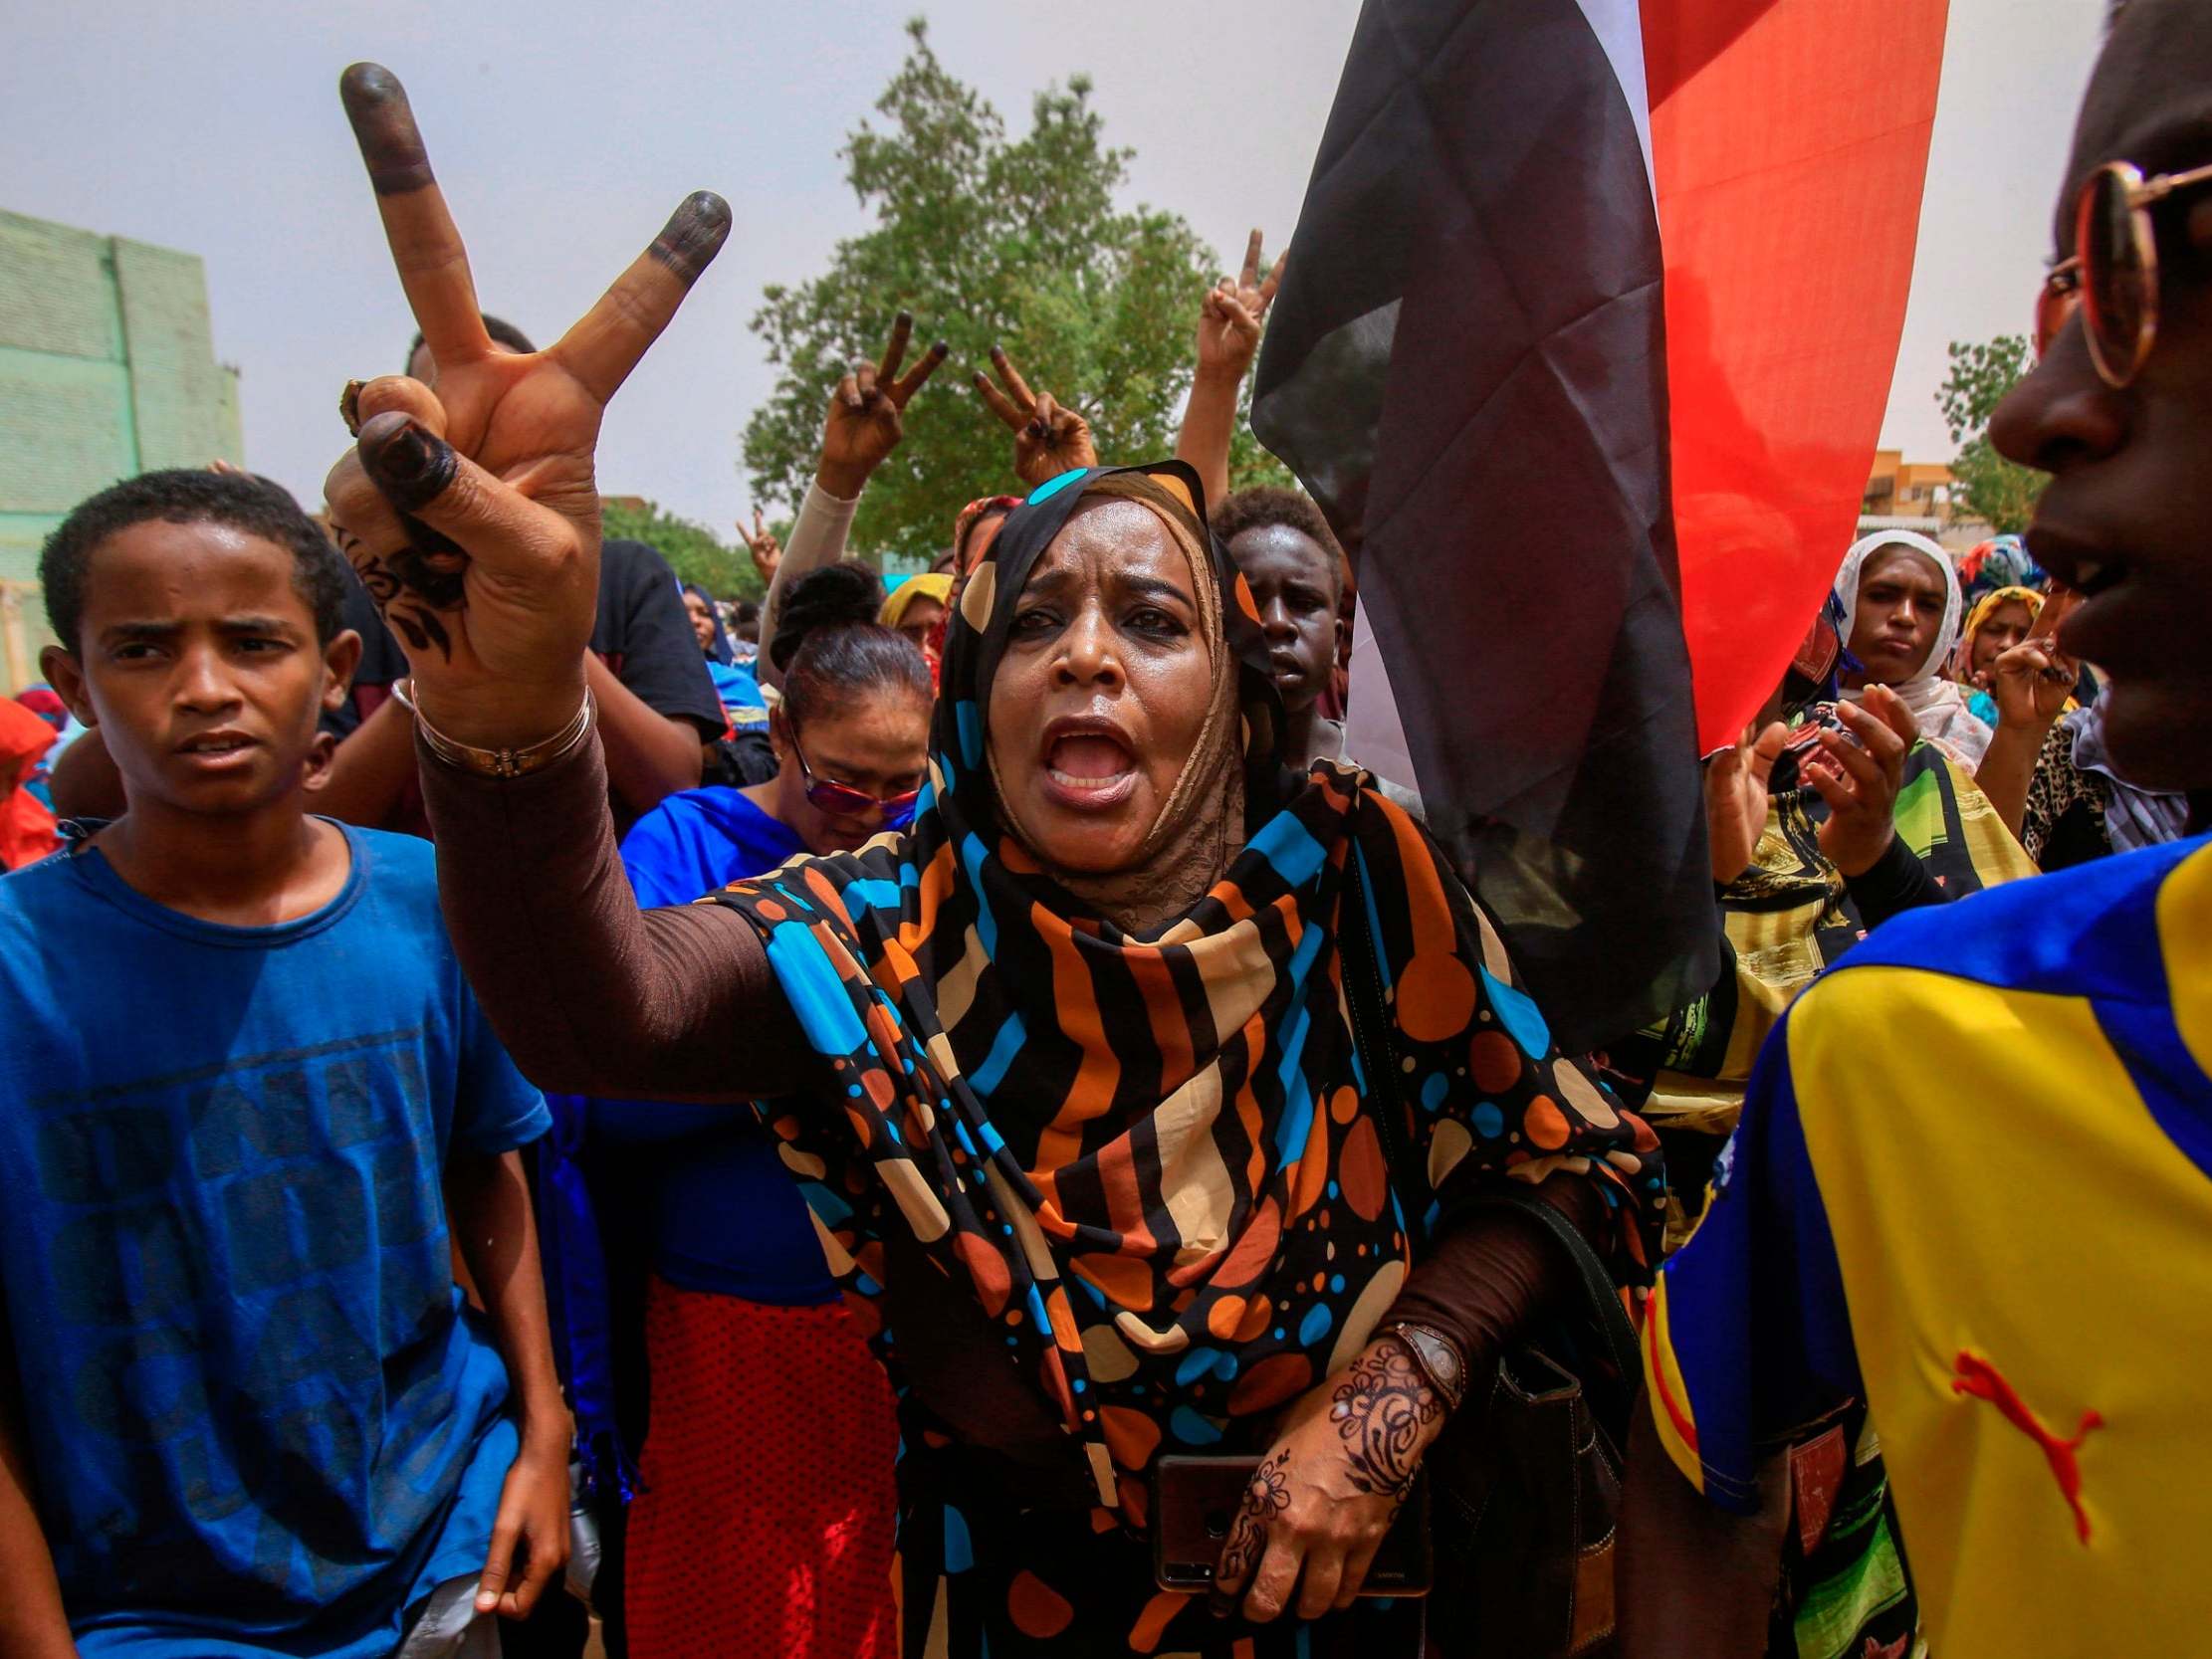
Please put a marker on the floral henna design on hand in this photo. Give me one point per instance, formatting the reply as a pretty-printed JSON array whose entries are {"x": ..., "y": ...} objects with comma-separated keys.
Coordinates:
[
  {"x": 1266, "y": 1496},
  {"x": 1381, "y": 1409}
]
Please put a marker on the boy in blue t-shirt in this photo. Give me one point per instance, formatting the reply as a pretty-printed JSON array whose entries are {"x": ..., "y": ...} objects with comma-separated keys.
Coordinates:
[{"x": 243, "y": 1407}]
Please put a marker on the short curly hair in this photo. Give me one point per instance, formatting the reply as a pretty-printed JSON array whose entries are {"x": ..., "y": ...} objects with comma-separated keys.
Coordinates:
[
  {"x": 1264, "y": 505},
  {"x": 241, "y": 502}
]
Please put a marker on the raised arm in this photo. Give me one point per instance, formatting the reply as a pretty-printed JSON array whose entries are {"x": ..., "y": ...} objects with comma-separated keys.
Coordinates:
[
  {"x": 1230, "y": 321},
  {"x": 866, "y": 420},
  {"x": 471, "y": 513}
]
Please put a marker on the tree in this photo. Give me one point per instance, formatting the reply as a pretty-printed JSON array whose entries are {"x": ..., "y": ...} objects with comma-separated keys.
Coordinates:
[
  {"x": 1987, "y": 485},
  {"x": 988, "y": 240},
  {"x": 692, "y": 550}
]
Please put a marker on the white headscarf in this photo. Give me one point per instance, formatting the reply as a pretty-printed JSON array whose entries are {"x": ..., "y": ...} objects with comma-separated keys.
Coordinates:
[{"x": 1940, "y": 707}]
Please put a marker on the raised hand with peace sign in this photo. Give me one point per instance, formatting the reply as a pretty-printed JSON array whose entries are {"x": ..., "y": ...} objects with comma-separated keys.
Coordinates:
[
  {"x": 1232, "y": 314},
  {"x": 867, "y": 413},
  {"x": 1230, "y": 318},
  {"x": 761, "y": 542},
  {"x": 1049, "y": 437},
  {"x": 472, "y": 513}
]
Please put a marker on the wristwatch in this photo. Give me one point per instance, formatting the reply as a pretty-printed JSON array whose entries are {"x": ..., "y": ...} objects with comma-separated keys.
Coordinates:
[{"x": 1438, "y": 1359}]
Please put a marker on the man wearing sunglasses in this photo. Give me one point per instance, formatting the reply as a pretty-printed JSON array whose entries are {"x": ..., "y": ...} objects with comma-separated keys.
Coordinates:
[{"x": 1973, "y": 1184}]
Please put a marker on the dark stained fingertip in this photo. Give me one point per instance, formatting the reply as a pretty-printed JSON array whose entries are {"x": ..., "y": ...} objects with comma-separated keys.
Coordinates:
[
  {"x": 385, "y": 127},
  {"x": 410, "y": 464},
  {"x": 349, "y": 406},
  {"x": 694, "y": 234},
  {"x": 939, "y": 352}
]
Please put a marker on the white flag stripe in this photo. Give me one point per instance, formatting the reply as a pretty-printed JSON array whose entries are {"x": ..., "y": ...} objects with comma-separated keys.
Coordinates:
[
  {"x": 1619, "y": 26},
  {"x": 1373, "y": 734}
]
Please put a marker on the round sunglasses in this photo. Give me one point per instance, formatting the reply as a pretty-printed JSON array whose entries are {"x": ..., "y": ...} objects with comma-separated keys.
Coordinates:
[
  {"x": 2112, "y": 278},
  {"x": 842, "y": 800}
]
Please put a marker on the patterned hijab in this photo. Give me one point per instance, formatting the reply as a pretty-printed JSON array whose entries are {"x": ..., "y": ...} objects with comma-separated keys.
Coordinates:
[{"x": 1155, "y": 1163}]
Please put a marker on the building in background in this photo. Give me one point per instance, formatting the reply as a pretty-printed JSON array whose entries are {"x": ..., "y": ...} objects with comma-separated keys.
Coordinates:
[
  {"x": 1907, "y": 494},
  {"x": 106, "y": 369}
]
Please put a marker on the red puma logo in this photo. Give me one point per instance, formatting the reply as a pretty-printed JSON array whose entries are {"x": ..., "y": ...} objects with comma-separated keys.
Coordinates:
[
  {"x": 1978, "y": 1378},
  {"x": 1892, "y": 1650}
]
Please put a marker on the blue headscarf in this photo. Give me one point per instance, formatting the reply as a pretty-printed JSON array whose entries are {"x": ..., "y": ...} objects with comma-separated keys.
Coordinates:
[{"x": 721, "y": 651}]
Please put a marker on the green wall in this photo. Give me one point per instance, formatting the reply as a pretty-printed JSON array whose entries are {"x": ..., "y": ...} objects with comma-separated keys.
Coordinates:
[{"x": 106, "y": 369}]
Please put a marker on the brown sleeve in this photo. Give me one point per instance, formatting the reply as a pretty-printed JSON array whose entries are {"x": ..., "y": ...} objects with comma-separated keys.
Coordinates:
[
  {"x": 1492, "y": 1270},
  {"x": 589, "y": 996}
]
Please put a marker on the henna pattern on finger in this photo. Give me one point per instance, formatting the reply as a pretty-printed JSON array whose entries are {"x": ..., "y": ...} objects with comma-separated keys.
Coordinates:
[
  {"x": 385, "y": 127},
  {"x": 1266, "y": 1495},
  {"x": 693, "y": 235},
  {"x": 1380, "y": 1410}
]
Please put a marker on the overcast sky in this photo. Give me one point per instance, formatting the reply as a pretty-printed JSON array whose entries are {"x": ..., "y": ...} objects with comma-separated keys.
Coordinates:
[{"x": 564, "y": 132}]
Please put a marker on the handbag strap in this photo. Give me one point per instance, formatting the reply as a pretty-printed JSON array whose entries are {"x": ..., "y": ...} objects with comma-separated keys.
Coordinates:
[{"x": 1363, "y": 991}]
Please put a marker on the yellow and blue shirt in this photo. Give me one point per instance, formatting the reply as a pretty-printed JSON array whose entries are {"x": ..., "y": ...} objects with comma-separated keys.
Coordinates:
[{"x": 1973, "y": 1185}]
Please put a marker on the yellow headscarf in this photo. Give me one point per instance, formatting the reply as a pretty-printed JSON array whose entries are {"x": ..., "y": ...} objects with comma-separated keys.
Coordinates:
[
  {"x": 937, "y": 587},
  {"x": 1987, "y": 606}
]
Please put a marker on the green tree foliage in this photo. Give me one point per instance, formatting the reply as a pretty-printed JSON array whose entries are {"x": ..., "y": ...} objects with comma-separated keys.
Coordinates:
[
  {"x": 692, "y": 550},
  {"x": 1988, "y": 485},
  {"x": 987, "y": 239}
]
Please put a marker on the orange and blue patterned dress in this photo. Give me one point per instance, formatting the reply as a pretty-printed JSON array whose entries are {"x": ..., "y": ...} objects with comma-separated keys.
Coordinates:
[{"x": 1151, "y": 1161}]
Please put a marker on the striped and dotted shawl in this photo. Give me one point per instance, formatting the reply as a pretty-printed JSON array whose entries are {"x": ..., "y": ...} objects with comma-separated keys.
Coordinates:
[{"x": 1156, "y": 1160}]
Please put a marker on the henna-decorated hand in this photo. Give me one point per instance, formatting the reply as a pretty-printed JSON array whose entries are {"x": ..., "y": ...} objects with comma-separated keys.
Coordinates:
[
  {"x": 867, "y": 412},
  {"x": 1232, "y": 314},
  {"x": 1318, "y": 1507},
  {"x": 472, "y": 513},
  {"x": 1048, "y": 437},
  {"x": 761, "y": 542}
]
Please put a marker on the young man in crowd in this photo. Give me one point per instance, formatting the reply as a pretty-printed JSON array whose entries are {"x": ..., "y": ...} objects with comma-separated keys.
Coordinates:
[
  {"x": 1973, "y": 1184},
  {"x": 243, "y": 1408},
  {"x": 1291, "y": 563}
]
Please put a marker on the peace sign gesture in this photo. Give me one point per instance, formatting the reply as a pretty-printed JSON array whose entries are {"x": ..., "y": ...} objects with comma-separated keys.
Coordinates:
[
  {"x": 1232, "y": 312},
  {"x": 867, "y": 413},
  {"x": 472, "y": 513},
  {"x": 1049, "y": 438},
  {"x": 761, "y": 542}
]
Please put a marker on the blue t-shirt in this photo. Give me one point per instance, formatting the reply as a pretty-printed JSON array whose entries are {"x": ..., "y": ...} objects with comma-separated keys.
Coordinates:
[{"x": 258, "y": 1416}]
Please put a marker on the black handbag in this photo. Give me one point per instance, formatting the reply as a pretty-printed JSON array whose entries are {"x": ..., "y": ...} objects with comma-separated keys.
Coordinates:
[{"x": 1525, "y": 1480}]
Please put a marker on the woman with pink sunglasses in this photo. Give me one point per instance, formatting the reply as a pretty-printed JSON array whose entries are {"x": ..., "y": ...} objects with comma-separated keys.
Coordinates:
[{"x": 717, "y": 1374}]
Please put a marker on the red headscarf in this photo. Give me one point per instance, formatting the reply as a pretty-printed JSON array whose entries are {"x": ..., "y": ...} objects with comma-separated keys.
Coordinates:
[{"x": 27, "y": 828}]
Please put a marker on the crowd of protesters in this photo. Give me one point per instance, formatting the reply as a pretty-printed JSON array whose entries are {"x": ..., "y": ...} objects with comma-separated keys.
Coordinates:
[{"x": 817, "y": 1129}]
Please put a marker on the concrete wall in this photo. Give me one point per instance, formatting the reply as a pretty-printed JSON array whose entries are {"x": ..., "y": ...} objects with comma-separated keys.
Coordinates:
[{"x": 106, "y": 369}]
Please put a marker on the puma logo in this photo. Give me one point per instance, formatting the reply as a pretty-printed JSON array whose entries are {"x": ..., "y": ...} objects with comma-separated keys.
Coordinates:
[
  {"x": 1983, "y": 1380},
  {"x": 1887, "y": 1650}
]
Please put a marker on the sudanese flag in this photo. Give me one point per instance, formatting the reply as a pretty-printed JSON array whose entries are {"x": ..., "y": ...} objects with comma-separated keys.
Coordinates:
[{"x": 1584, "y": 344}]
